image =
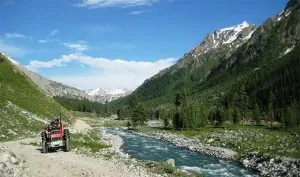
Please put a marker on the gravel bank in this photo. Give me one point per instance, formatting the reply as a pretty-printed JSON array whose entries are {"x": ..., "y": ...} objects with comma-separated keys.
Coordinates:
[{"x": 10, "y": 165}]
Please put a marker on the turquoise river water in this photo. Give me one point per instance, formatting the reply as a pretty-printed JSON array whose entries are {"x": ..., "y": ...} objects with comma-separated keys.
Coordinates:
[{"x": 144, "y": 148}]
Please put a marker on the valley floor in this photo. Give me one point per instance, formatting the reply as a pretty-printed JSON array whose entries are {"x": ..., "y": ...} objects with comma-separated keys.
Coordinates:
[{"x": 23, "y": 158}]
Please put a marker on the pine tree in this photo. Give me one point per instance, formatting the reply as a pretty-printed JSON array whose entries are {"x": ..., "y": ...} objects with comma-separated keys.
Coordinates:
[
  {"x": 139, "y": 116},
  {"x": 235, "y": 116},
  {"x": 119, "y": 114},
  {"x": 290, "y": 116},
  {"x": 256, "y": 114},
  {"x": 211, "y": 117},
  {"x": 219, "y": 116},
  {"x": 177, "y": 121},
  {"x": 271, "y": 99},
  {"x": 157, "y": 115},
  {"x": 133, "y": 102},
  {"x": 244, "y": 102},
  {"x": 228, "y": 114},
  {"x": 166, "y": 123}
]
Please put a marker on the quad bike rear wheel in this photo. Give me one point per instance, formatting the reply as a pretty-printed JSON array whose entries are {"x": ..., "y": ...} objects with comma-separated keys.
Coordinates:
[{"x": 67, "y": 145}]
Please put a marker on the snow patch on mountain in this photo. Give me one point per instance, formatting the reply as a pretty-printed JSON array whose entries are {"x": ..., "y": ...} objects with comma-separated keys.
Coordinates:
[
  {"x": 249, "y": 35},
  {"x": 288, "y": 50},
  {"x": 106, "y": 94},
  {"x": 10, "y": 59},
  {"x": 237, "y": 28}
]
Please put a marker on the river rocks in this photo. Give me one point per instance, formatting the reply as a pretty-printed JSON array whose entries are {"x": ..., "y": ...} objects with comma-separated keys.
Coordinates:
[
  {"x": 171, "y": 162},
  {"x": 279, "y": 166},
  {"x": 246, "y": 162},
  {"x": 120, "y": 159},
  {"x": 115, "y": 142},
  {"x": 210, "y": 140},
  {"x": 10, "y": 165}
]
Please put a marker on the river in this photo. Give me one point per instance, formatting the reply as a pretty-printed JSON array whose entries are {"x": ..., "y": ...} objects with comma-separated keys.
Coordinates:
[{"x": 144, "y": 148}]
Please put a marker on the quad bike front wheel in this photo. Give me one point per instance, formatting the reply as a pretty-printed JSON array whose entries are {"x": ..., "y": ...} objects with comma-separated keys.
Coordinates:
[
  {"x": 67, "y": 145},
  {"x": 45, "y": 147}
]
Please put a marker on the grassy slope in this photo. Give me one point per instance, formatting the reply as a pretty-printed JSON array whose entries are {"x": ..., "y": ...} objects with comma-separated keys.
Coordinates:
[{"x": 28, "y": 102}]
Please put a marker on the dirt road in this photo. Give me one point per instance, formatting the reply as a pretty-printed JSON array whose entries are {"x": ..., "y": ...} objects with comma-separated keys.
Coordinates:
[{"x": 68, "y": 164}]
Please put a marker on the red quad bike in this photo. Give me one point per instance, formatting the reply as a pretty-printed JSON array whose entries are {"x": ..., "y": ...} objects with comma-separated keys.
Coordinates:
[{"x": 56, "y": 136}]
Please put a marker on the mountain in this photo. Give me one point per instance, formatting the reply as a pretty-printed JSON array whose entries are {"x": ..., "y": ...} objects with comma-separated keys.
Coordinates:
[
  {"x": 53, "y": 88},
  {"x": 24, "y": 108},
  {"x": 195, "y": 65},
  {"x": 50, "y": 87},
  {"x": 244, "y": 55},
  {"x": 106, "y": 95}
]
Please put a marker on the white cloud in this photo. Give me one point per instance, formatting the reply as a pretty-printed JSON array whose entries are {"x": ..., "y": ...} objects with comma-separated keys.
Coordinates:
[
  {"x": 103, "y": 72},
  {"x": 53, "y": 32},
  {"x": 79, "y": 47},
  {"x": 139, "y": 12},
  {"x": 14, "y": 35},
  {"x": 114, "y": 3},
  {"x": 11, "y": 50},
  {"x": 43, "y": 41}
]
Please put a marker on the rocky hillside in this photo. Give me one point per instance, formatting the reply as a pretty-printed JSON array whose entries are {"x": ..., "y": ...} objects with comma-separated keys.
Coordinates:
[
  {"x": 106, "y": 95},
  {"x": 53, "y": 88},
  {"x": 24, "y": 108},
  {"x": 240, "y": 55}
]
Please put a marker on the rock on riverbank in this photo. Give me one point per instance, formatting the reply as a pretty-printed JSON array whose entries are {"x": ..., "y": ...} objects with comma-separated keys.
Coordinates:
[{"x": 266, "y": 166}]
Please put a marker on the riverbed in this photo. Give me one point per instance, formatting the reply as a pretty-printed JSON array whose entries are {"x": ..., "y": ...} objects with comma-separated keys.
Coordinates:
[{"x": 144, "y": 148}]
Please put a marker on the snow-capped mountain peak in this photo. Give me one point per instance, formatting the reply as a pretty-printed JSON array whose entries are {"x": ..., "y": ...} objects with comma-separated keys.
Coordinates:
[
  {"x": 237, "y": 28},
  {"x": 106, "y": 94},
  {"x": 229, "y": 38},
  {"x": 232, "y": 36}
]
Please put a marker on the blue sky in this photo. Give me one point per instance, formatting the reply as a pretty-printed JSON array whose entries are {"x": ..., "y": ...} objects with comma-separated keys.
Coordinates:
[{"x": 115, "y": 43}]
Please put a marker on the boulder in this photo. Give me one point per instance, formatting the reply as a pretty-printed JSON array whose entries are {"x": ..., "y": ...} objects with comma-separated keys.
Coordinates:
[{"x": 171, "y": 162}]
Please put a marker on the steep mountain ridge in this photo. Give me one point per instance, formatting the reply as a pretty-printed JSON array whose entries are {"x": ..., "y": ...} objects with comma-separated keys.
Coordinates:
[{"x": 270, "y": 41}]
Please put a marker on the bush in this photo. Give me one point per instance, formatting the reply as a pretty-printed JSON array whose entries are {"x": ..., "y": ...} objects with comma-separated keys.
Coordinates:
[{"x": 169, "y": 168}]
